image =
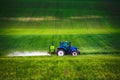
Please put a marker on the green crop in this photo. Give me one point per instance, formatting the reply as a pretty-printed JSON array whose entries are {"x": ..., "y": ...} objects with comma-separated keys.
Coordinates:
[
  {"x": 30, "y": 25},
  {"x": 93, "y": 26},
  {"x": 85, "y": 67},
  {"x": 87, "y": 43}
]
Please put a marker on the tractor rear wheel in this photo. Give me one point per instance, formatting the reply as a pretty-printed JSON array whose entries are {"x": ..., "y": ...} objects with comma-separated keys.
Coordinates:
[
  {"x": 74, "y": 53},
  {"x": 60, "y": 52}
]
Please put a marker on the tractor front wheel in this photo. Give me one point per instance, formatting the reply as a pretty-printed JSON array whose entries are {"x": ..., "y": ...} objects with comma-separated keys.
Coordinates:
[
  {"x": 74, "y": 53},
  {"x": 60, "y": 52}
]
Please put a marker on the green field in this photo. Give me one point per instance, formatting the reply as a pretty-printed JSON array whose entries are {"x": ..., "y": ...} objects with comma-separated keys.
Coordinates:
[
  {"x": 31, "y": 25},
  {"x": 84, "y": 67},
  {"x": 89, "y": 33},
  {"x": 87, "y": 43}
]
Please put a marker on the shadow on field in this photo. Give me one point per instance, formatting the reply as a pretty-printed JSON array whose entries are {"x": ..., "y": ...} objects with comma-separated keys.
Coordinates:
[{"x": 58, "y": 8}]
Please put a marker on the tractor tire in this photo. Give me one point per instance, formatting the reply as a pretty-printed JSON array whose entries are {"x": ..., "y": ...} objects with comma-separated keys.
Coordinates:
[
  {"x": 74, "y": 53},
  {"x": 60, "y": 52}
]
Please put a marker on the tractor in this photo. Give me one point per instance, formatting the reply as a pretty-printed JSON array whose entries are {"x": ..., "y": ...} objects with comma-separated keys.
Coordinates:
[{"x": 65, "y": 48}]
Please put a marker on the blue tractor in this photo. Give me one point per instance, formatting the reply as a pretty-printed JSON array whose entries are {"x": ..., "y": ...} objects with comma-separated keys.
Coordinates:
[{"x": 65, "y": 48}]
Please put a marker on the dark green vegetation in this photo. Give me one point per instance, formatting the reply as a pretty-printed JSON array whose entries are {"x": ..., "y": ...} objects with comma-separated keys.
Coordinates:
[
  {"x": 87, "y": 43},
  {"x": 58, "y": 8},
  {"x": 84, "y": 67},
  {"x": 30, "y": 25},
  {"x": 61, "y": 9}
]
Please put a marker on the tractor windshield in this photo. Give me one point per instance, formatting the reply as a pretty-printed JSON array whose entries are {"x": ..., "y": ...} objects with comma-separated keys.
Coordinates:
[{"x": 66, "y": 45}]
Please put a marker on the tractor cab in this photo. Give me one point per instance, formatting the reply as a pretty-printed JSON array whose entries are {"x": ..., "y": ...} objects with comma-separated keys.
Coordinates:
[{"x": 65, "y": 45}]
